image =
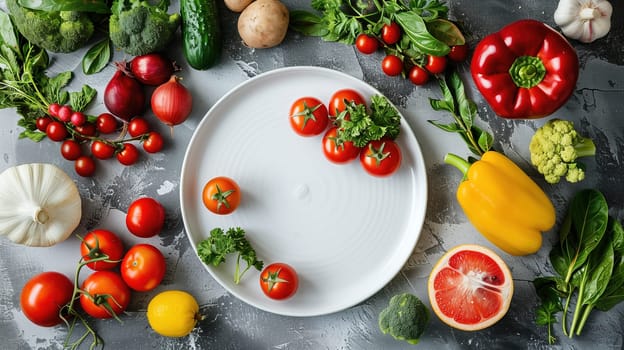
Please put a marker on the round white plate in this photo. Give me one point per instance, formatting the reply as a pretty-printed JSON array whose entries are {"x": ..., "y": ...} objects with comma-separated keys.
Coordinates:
[{"x": 345, "y": 232}]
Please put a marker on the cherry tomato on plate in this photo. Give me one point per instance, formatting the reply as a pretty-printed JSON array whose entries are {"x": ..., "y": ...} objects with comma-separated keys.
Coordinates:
[
  {"x": 435, "y": 64},
  {"x": 279, "y": 281},
  {"x": 102, "y": 243},
  {"x": 342, "y": 153},
  {"x": 143, "y": 267},
  {"x": 391, "y": 33},
  {"x": 308, "y": 116},
  {"x": 418, "y": 75},
  {"x": 392, "y": 65},
  {"x": 128, "y": 155},
  {"x": 366, "y": 44},
  {"x": 221, "y": 195},
  {"x": 458, "y": 53},
  {"x": 145, "y": 217},
  {"x": 337, "y": 102},
  {"x": 381, "y": 157},
  {"x": 105, "y": 294},
  {"x": 43, "y": 297}
]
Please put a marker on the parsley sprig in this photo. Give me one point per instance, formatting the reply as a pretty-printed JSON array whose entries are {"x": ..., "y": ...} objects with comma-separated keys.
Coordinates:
[
  {"x": 361, "y": 125},
  {"x": 214, "y": 249}
]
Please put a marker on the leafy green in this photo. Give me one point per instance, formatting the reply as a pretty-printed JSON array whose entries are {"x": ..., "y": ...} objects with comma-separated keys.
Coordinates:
[
  {"x": 97, "y": 57},
  {"x": 358, "y": 125},
  {"x": 464, "y": 112},
  {"x": 96, "y": 6},
  {"x": 214, "y": 249}
]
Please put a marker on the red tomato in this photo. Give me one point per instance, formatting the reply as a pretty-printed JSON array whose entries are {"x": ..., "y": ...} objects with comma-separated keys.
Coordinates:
[
  {"x": 392, "y": 65},
  {"x": 346, "y": 152},
  {"x": 458, "y": 53},
  {"x": 435, "y": 64},
  {"x": 154, "y": 142},
  {"x": 86, "y": 129},
  {"x": 84, "y": 166},
  {"x": 42, "y": 123},
  {"x": 64, "y": 113},
  {"x": 53, "y": 109},
  {"x": 366, "y": 44},
  {"x": 418, "y": 75},
  {"x": 98, "y": 244},
  {"x": 43, "y": 297},
  {"x": 221, "y": 195},
  {"x": 337, "y": 103},
  {"x": 56, "y": 131},
  {"x": 138, "y": 126},
  {"x": 381, "y": 157},
  {"x": 128, "y": 155},
  {"x": 391, "y": 33},
  {"x": 145, "y": 218},
  {"x": 106, "y": 123},
  {"x": 102, "y": 150},
  {"x": 279, "y": 281},
  {"x": 105, "y": 294},
  {"x": 308, "y": 116},
  {"x": 143, "y": 267},
  {"x": 71, "y": 150}
]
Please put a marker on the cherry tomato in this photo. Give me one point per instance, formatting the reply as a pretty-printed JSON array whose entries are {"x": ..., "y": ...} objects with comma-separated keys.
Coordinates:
[
  {"x": 391, "y": 33},
  {"x": 43, "y": 297},
  {"x": 221, "y": 195},
  {"x": 342, "y": 153},
  {"x": 86, "y": 129},
  {"x": 42, "y": 123},
  {"x": 128, "y": 155},
  {"x": 153, "y": 143},
  {"x": 418, "y": 75},
  {"x": 366, "y": 44},
  {"x": 435, "y": 64},
  {"x": 106, "y": 123},
  {"x": 84, "y": 166},
  {"x": 138, "y": 126},
  {"x": 392, "y": 65},
  {"x": 145, "y": 217},
  {"x": 381, "y": 157},
  {"x": 279, "y": 281},
  {"x": 71, "y": 149},
  {"x": 53, "y": 109},
  {"x": 458, "y": 53},
  {"x": 308, "y": 116},
  {"x": 102, "y": 243},
  {"x": 56, "y": 131},
  {"x": 106, "y": 294},
  {"x": 143, "y": 267},
  {"x": 64, "y": 113},
  {"x": 102, "y": 150},
  {"x": 338, "y": 99},
  {"x": 78, "y": 118}
]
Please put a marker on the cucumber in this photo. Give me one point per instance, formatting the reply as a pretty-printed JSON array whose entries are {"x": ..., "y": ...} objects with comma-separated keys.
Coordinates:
[{"x": 201, "y": 33}]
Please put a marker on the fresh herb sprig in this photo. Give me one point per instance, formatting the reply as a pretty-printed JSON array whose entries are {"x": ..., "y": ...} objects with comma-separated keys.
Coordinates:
[
  {"x": 589, "y": 261},
  {"x": 464, "y": 112},
  {"x": 214, "y": 249},
  {"x": 360, "y": 124}
]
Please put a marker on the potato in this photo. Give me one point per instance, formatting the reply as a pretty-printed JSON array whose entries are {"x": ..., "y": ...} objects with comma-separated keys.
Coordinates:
[
  {"x": 263, "y": 23},
  {"x": 237, "y": 5}
]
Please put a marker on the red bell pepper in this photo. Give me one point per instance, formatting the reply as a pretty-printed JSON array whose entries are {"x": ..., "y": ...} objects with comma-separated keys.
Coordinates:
[{"x": 527, "y": 70}]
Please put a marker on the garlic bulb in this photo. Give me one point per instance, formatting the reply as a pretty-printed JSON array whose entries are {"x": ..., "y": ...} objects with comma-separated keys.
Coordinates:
[
  {"x": 584, "y": 20},
  {"x": 39, "y": 204}
]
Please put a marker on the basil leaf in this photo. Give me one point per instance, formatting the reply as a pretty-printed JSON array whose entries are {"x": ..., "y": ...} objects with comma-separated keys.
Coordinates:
[
  {"x": 415, "y": 28},
  {"x": 97, "y": 57},
  {"x": 8, "y": 32},
  {"x": 446, "y": 31},
  {"x": 450, "y": 127},
  {"x": 307, "y": 23},
  {"x": 97, "y": 6},
  {"x": 485, "y": 140}
]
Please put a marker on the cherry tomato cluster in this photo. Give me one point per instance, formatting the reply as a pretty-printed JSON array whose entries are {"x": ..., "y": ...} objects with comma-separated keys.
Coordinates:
[
  {"x": 417, "y": 69},
  {"x": 310, "y": 117},
  {"x": 49, "y": 298},
  {"x": 82, "y": 140}
]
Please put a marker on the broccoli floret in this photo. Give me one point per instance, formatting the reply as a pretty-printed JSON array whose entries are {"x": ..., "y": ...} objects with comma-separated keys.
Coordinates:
[
  {"x": 555, "y": 148},
  {"x": 56, "y": 31},
  {"x": 139, "y": 28},
  {"x": 405, "y": 318}
]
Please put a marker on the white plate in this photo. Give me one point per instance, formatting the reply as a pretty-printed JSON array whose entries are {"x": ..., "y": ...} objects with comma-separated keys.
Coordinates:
[{"x": 345, "y": 232}]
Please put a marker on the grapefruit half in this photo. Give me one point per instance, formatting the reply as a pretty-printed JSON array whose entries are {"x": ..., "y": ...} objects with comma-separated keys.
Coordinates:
[{"x": 470, "y": 287}]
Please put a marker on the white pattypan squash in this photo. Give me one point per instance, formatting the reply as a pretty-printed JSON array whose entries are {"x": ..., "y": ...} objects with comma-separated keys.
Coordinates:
[
  {"x": 39, "y": 204},
  {"x": 584, "y": 20}
]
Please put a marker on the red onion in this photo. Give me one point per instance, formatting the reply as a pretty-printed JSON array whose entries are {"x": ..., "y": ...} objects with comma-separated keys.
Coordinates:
[
  {"x": 124, "y": 96},
  {"x": 172, "y": 102},
  {"x": 152, "y": 69}
]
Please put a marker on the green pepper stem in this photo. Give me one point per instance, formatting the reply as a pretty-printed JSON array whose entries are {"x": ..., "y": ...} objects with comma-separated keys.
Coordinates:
[
  {"x": 527, "y": 71},
  {"x": 458, "y": 162},
  {"x": 585, "y": 147}
]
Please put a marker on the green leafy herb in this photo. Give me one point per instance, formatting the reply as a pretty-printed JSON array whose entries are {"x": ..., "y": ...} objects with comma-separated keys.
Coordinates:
[
  {"x": 214, "y": 249},
  {"x": 97, "y": 57},
  {"x": 96, "y": 6},
  {"x": 363, "y": 126},
  {"x": 464, "y": 112}
]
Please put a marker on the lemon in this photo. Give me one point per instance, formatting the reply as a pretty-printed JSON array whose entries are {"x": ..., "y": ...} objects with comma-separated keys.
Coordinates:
[{"x": 173, "y": 313}]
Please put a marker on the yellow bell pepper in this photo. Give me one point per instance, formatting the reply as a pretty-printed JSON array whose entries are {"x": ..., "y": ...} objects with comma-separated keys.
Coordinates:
[{"x": 503, "y": 203}]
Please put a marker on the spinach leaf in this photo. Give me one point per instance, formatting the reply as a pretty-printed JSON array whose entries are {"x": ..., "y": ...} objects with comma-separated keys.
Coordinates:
[
  {"x": 97, "y": 57},
  {"x": 96, "y": 6},
  {"x": 415, "y": 28},
  {"x": 446, "y": 31}
]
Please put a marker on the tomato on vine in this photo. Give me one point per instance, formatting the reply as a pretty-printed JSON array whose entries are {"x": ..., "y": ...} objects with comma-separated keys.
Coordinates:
[
  {"x": 435, "y": 64},
  {"x": 106, "y": 123},
  {"x": 392, "y": 65},
  {"x": 98, "y": 244},
  {"x": 308, "y": 116},
  {"x": 154, "y": 142},
  {"x": 366, "y": 44},
  {"x": 391, "y": 33},
  {"x": 128, "y": 155},
  {"x": 42, "y": 123},
  {"x": 56, "y": 131},
  {"x": 104, "y": 295},
  {"x": 102, "y": 150},
  {"x": 138, "y": 126},
  {"x": 458, "y": 53},
  {"x": 418, "y": 75}
]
